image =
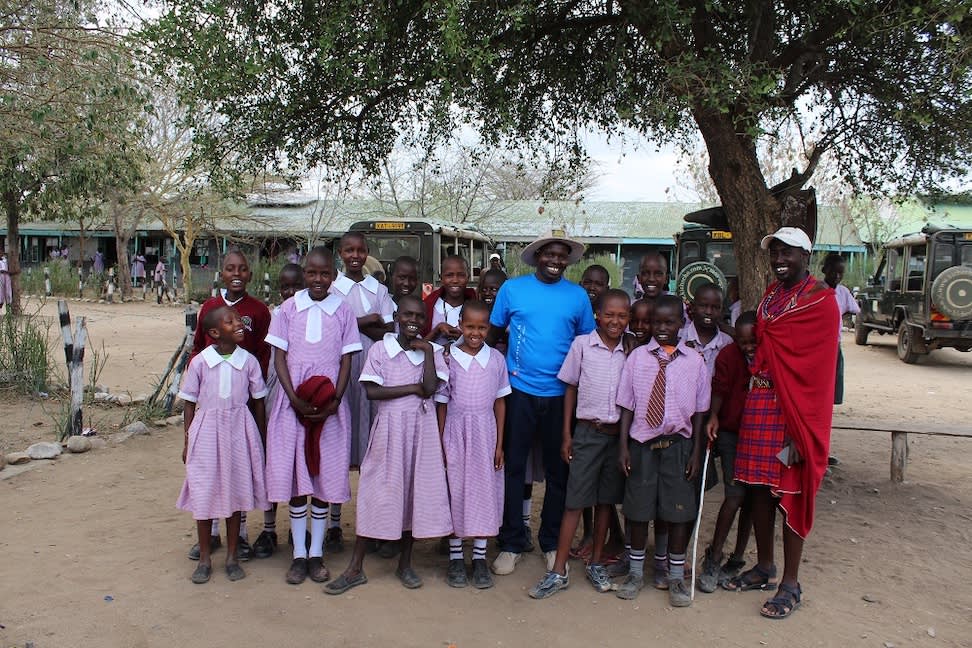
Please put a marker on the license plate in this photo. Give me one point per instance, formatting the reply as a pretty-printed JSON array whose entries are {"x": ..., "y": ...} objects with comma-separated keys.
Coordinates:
[
  {"x": 721, "y": 235},
  {"x": 389, "y": 226}
]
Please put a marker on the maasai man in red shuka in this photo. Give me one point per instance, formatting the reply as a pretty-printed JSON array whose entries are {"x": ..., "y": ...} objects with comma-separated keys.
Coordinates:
[{"x": 784, "y": 438}]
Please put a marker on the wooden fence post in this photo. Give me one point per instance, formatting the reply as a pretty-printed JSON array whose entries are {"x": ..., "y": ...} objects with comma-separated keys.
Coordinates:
[
  {"x": 191, "y": 323},
  {"x": 111, "y": 285},
  {"x": 80, "y": 282},
  {"x": 191, "y": 318},
  {"x": 215, "y": 284},
  {"x": 47, "y": 281},
  {"x": 899, "y": 455},
  {"x": 266, "y": 287},
  {"x": 74, "y": 356}
]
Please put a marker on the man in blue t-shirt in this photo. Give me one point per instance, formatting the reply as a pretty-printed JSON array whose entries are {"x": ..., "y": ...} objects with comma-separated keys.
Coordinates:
[{"x": 543, "y": 313}]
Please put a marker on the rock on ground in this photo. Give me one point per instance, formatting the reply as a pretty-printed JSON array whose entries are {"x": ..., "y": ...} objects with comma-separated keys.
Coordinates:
[
  {"x": 97, "y": 443},
  {"x": 17, "y": 458},
  {"x": 78, "y": 444},
  {"x": 136, "y": 428},
  {"x": 44, "y": 450},
  {"x": 3, "y": 461}
]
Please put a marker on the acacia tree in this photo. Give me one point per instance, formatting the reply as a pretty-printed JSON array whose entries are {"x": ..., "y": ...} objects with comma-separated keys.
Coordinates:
[
  {"x": 885, "y": 83},
  {"x": 66, "y": 100}
]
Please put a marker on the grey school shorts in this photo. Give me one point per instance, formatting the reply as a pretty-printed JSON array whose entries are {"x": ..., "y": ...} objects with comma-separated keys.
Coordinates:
[
  {"x": 657, "y": 487},
  {"x": 594, "y": 477},
  {"x": 725, "y": 446}
]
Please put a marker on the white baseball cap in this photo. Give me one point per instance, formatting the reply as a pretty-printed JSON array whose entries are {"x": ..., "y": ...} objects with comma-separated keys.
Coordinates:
[{"x": 792, "y": 236}]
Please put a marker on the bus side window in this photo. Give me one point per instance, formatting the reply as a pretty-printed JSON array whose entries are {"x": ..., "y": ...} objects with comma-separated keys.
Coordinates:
[{"x": 691, "y": 251}]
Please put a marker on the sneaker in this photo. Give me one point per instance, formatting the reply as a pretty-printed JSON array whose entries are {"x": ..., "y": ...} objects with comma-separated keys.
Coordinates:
[
  {"x": 630, "y": 588},
  {"x": 297, "y": 572},
  {"x": 265, "y": 545},
  {"x": 678, "y": 593},
  {"x": 334, "y": 540},
  {"x": 214, "y": 544},
  {"x": 550, "y": 584},
  {"x": 481, "y": 576},
  {"x": 550, "y": 557},
  {"x": 598, "y": 576},
  {"x": 529, "y": 546},
  {"x": 505, "y": 563},
  {"x": 456, "y": 575},
  {"x": 661, "y": 577},
  {"x": 244, "y": 551},
  {"x": 709, "y": 579},
  {"x": 619, "y": 568}
]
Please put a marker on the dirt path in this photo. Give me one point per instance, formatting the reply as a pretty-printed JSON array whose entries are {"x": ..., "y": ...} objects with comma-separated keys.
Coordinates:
[{"x": 104, "y": 525}]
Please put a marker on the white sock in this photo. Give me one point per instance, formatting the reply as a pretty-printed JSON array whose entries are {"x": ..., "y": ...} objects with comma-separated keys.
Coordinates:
[
  {"x": 215, "y": 527},
  {"x": 479, "y": 549},
  {"x": 298, "y": 528},
  {"x": 318, "y": 525},
  {"x": 455, "y": 549},
  {"x": 527, "y": 509},
  {"x": 335, "y": 520},
  {"x": 243, "y": 533},
  {"x": 270, "y": 519}
]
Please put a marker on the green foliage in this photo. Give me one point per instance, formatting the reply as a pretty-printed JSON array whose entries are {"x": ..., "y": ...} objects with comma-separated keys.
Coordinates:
[{"x": 26, "y": 363}]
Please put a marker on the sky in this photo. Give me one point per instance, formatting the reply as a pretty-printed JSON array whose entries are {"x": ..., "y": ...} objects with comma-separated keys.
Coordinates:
[{"x": 634, "y": 173}]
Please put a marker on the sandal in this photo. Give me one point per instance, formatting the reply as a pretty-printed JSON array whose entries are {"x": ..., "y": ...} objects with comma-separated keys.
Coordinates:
[
  {"x": 343, "y": 583},
  {"x": 202, "y": 574},
  {"x": 582, "y": 551},
  {"x": 782, "y": 605},
  {"x": 409, "y": 578},
  {"x": 756, "y": 578},
  {"x": 234, "y": 572}
]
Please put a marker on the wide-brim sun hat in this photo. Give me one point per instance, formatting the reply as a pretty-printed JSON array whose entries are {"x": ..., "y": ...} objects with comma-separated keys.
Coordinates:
[
  {"x": 792, "y": 236},
  {"x": 529, "y": 254}
]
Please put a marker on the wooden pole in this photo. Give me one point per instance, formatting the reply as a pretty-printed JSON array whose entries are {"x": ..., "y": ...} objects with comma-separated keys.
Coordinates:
[
  {"x": 899, "y": 455},
  {"x": 191, "y": 317},
  {"x": 111, "y": 285},
  {"x": 80, "y": 281},
  {"x": 75, "y": 422},
  {"x": 266, "y": 287},
  {"x": 215, "y": 284},
  {"x": 47, "y": 281},
  {"x": 181, "y": 367}
]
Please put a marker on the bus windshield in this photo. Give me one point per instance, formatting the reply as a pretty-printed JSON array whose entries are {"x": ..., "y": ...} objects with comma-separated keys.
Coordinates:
[{"x": 388, "y": 247}]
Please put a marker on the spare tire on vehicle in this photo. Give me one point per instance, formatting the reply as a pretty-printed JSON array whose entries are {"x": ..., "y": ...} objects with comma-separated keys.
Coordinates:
[
  {"x": 951, "y": 293},
  {"x": 696, "y": 274}
]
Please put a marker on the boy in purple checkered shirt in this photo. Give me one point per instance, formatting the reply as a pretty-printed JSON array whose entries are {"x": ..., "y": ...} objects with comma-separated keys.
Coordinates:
[{"x": 664, "y": 394}]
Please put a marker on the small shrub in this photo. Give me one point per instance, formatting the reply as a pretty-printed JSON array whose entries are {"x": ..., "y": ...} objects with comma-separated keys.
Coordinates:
[{"x": 25, "y": 353}]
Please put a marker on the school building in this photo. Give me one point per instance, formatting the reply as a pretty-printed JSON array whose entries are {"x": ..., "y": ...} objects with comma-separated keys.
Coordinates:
[{"x": 289, "y": 222}]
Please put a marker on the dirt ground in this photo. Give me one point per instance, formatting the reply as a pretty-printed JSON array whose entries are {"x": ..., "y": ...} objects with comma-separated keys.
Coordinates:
[{"x": 94, "y": 549}]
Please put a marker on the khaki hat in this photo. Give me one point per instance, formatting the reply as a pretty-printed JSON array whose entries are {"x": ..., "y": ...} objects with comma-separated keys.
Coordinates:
[
  {"x": 553, "y": 236},
  {"x": 792, "y": 236}
]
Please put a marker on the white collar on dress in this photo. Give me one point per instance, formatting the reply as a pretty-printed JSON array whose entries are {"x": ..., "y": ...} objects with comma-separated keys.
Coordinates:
[
  {"x": 222, "y": 291},
  {"x": 303, "y": 301},
  {"x": 394, "y": 348},
  {"x": 213, "y": 358},
  {"x": 464, "y": 359},
  {"x": 345, "y": 284}
]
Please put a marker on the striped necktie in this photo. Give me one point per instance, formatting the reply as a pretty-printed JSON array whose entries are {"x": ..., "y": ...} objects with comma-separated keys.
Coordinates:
[{"x": 655, "y": 414}]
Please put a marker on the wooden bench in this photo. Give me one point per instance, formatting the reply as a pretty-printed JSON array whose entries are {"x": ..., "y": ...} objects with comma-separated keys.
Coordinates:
[{"x": 899, "y": 437}]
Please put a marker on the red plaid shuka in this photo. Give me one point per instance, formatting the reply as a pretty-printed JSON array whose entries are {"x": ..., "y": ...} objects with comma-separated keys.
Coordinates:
[{"x": 762, "y": 435}]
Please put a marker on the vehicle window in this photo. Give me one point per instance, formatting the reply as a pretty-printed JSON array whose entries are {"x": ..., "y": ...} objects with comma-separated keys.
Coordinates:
[
  {"x": 388, "y": 247},
  {"x": 916, "y": 268},
  {"x": 690, "y": 251},
  {"x": 965, "y": 255},
  {"x": 893, "y": 281},
  {"x": 722, "y": 257},
  {"x": 944, "y": 258}
]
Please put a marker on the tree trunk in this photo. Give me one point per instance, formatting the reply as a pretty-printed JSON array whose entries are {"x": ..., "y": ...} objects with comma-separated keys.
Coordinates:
[
  {"x": 123, "y": 234},
  {"x": 12, "y": 207},
  {"x": 750, "y": 208},
  {"x": 186, "y": 268}
]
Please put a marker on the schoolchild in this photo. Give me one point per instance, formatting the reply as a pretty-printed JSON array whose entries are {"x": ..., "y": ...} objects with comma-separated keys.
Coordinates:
[
  {"x": 592, "y": 371},
  {"x": 402, "y": 492},
  {"x": 290, "y": 280},
  {"x": 664, "y": 394},
  {"x": 730, "y": 384},
  {"x": 235, "y": 275},
  {"x": 222, "y": 449},
  {"x": 314, "y": 336},
  {"x": 472, "y": 411},
  {"x": 444, "y": 305},
  {"x": 702, "y": 332},
  {"x": 372, "y": 306}
]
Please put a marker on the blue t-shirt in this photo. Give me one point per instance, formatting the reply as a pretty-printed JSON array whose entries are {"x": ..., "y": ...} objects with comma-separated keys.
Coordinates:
[{"x": 543, "y": 320}]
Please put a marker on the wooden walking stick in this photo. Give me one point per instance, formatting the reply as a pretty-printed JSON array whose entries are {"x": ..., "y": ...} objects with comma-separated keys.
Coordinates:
[{"x": 698, "y": 518}]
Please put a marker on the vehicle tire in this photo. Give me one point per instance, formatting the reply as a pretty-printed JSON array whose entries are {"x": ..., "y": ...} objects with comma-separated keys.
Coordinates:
[
  {"x": 860, "y": 331},
  {"x": 907, "y": 350},
  {"x": 951, "y": 293}
]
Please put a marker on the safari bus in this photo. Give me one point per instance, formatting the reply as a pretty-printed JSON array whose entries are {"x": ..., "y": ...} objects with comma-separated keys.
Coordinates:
[{"x": 427, "y": 241}]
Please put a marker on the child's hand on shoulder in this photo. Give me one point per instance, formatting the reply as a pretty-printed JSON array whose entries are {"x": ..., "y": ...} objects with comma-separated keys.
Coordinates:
[
  {"x": 446, "y": 330},
  {"x": 418, "y": 344}
]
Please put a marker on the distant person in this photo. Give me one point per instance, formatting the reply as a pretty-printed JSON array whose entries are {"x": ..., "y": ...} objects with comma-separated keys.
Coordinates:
[
  {"x": 472, "y": 412},
  {"x": 735, "y": 304},
  {"x": 98, "y": 262},
  {"x": 138, "y": 270},
  {"x": 496, "y": 262},
  {"x": 784, "y": 436},
  {"x": 6, "y": 296},
  {"x": 730, "y": 384},
  {"x": 255, "y": 316},
  {"x": 833, "y": 271},
  {"x": 294, "y": 256},
  {"x": 159, "y": 281},
  {"x": 544, "y": 312},
  {"x": 222, "y": 449},
  {"x": 314, "y": 337},
  {"x": 664, "y": 394}
]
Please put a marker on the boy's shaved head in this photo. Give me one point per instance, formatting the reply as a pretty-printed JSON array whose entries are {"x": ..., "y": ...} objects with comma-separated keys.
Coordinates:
[
  {"x": 292, "y": 269},
  {"x": 235, "y": 254},
  {"x": 321, "y": 253},
  {"x": 671, "y": 302},
  {"x": 213, "y": 317},
  {"x": 413, "y": 300},
  {"x": 357, "y": 236},
  {"x": 747, "y": 318},
  {"x": 709, "y": 288},
  {"x": 614, "y": 294}
]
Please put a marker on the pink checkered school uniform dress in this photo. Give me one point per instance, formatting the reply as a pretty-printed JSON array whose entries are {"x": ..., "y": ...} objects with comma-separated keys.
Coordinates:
[
  {"x": 469, "y": 439},
  {"x": 224, "y": 458},
  {"x": 364, "y": 297},
  {"x": 315, "y": 335},
  {"x": 403, "y": 481}
]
